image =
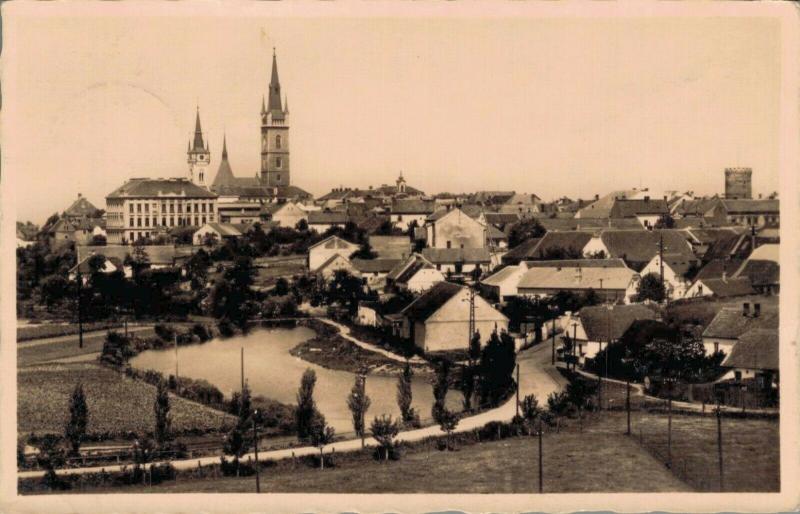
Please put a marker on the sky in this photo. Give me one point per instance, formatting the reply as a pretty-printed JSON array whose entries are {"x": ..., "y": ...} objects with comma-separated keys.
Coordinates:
[{"x": 552, "y": 106}]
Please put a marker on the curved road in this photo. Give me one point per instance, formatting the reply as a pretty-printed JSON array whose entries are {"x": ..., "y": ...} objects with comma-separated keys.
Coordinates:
[{"x": 537, "y": 377}]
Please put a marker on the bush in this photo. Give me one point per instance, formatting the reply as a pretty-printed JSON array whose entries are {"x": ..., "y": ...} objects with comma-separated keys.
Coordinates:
[
  {"x": 225, "y": 328},
  {"x": 165, "y": 332},
  {"x": 202, "y": 332}
]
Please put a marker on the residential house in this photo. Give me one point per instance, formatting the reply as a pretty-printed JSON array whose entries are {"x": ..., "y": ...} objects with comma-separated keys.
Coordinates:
[
  {"x": 723, "y": 287},
  {"x": 454, "y": 229},
  {"x": 601, "y": 206},
  {"x": 521, "y": 203},
  {"x": 110, "y": 265},
  {"x": 638, "y": 247},
  {"x": 287, "y": 214},
  {"x": 405, "y": 212},
  {"x": 415, "y": 274},
  {"x": 439, "y": 320},
  {"x": 216, "y": 232},
  {"x": 239, "y": 212},
  {"x": 561, "y": 245},
  {"x": 593, "y": 327},
  {"x": 614, "y": 283},
  {"x": 763, "y": 269},
  {"x": 334, "y": 263},
  {"x": 325, "y": 249},
  {"x": 159, "y": 256},
  {"x": 374, "y": 271},
  {"x": 522, "y": 252},
  {"x": 80, "y": 231},
  {"x": 502, "y": 285},
  {"x": 646, "y": 211},
  {"x": 730, "y": 323},
  {"x": 459, "y": 260},
  {"x": 755, "y": 357},
  {"x": 321, "y": 221},
  {"x": 677, "y": 271},
  {"x": 391, "y": 247}
]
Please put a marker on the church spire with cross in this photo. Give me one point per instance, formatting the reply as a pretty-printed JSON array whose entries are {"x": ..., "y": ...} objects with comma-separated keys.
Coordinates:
[
  {"x": 274, "y": 134},
  {"x": 198, "y": 155}
]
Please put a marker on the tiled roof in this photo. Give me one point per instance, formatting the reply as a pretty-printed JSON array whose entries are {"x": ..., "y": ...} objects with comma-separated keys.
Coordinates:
[
  {"x": 394, "y": 247},
  {"x": 599, "y": 322},
  {"x": 335, "y": 242},
  {"x": 412, "y": 206},
  {"x": 80, "y": 207},
  {"x": 728, "y": 246},
  {"x": 148, "y": 188},
  {"x": 638, "y": 247},
  {"x": 560, "y": 240},
  {"x": 751, "y": 206},
  {"x": 578, "y": 263},
  {"x": 431, "y": 301},
  {"x": 730, "y": 322},
  {"x": 757, "y": 348},
  {"x": 494, "y": 233},
  {"x": 740, "y": 286},
  {"x": 566, "y": 278},
  {"x": 760, "y": 273},
  {"x": 588, "y": 224},
  {"x": 500, "y": 219},
  {"x": 374, "y": 265},
  {"x": 601, "y": 208},
  {"x": 504, "y": 274},
  {"x": 710, "y": 235},
  {"x": 715, "y": 268},
  {"x": 522, "y": 251},
  {"x": 453, "y": 255},
  {"x": 522, "y": 199},
  {"x": 326, "y": 217},
  {"x": 770, "y": 252},
  {"x": 83, "y": 265},
  {"x": 632, "y": 208},
  {"x": 400, "y": 269},
  {"x": 224, "y": 229}
]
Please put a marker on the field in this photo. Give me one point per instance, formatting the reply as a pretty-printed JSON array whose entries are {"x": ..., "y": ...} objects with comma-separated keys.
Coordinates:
[
  {"x": 116, "y": 404},
  {"x": 29, "y": 332},
  {"x": 39, "y": 352}
]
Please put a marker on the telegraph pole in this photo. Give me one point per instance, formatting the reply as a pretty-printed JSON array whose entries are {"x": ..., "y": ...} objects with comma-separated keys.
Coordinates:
[
  {"x": 628, "y": 404},
  {"x": 553, "y": 338},
  {"x": 255, "y": 443},
  {"x": 719, "y": 446},
  {"x": 669, "y": 426},
  {"x": 80, "y": 310},
  {"x": 574, "y": 344},
  {"x": 517, "y": 389},
  {"x": 177, "y": 381},
  {"x": 541, "y": 468},
  {"x": 661, "y": 258},
  {"x": 242, "y": 366}
]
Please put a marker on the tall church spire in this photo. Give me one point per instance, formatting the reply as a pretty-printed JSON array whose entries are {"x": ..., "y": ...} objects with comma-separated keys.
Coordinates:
[
  {"x": 198, "y": 133},
  {"x": 224, "y": 148},
  {"x": 274, "y": 103}
]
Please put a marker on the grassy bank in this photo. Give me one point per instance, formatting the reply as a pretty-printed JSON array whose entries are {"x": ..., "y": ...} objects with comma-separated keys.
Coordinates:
[
  {"x": 117, "y": 405},
  {"x": 31, "y": 332},
  {"x": 92, "y": 343}
]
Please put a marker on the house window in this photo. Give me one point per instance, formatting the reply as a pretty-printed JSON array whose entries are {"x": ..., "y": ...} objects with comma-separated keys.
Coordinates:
[
  {"x": 130, "y": 206},
  {"x": 138, "y": 207},
  {"x": 147, "y": 222},
  {"x": 164, "y": 221},
  {"x": 278, "y": 177},
  {"x": 131, "y": 222},
  {"x": 204, "y": 207},
  {"x": 737, "y": 375},
  {"x": 449, "y": 244},
  {"x": 147, "y": 208},
  {"x": 172, "y": 208},
  {"x": 180, "y": 208},
  {"x": 278, "y": 162},
  {"x": 138, "y": 222},
  {"x": 204, "y": 220},
  {"x": 278, "y": 142},
  {"x": 172, "y": 221},
  {"x": 188, "y": 207},
  {"x": 196, "y": 220}
]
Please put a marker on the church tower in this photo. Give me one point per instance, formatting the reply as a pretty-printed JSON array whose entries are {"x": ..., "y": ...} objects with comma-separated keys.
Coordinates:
[
  {"x": 275, "y": 134},
  {"x": 198, "y": 155}
]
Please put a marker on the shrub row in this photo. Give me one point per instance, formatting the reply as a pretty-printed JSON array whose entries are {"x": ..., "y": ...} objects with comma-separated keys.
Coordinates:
[{"x": 31, "y": 332}]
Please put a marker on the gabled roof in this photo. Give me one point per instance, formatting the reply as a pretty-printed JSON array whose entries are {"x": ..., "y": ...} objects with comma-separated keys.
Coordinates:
[
  {"x": 223, "y": 229},
  {"x": 507, "y": 273},
  {"x": 327, "y": 217},
  {"x": 588, "y": 224},
  {"x": 495, "y": 234},
  {"x": 391, "y": 247},
  {"x": 679, "y": 264},
  {"x": 83, "y": 265},
  {"x": 333, "y": 258},
  {"x": 599, "y": 322},
  {"x": 412, "y": 206},
  {"x": 601, "y": 208},
  {"x": 431, "y": 301},
  {"x": 413, "y": 260},
  {"x": 730, "y": 322},
  {"x": 626, "y": 208},
  {"x": 577, "y": 263},
  {"x": 80, "y": 208},
  {"x": 559, "y": 240},
  {"x": 715, "y": 269},
  {"x": 751, "y": 206},
  {"x": 160, "y": 187},
  {"x": 728, "y": 246},
  {"x": 522, "y": 251},
  {"x": 554, "y": 277},
  {"x": 500, "y": 219},
  {"x": 374, "y": 265},
  {"x": 522, "y": 199},
  {"x": 757, "y": 348},
  {"x": 335, "y": 242},
  {"x": 454, "y": 255},
  {"x": 641, "y": 246},
  {"x": 760, "y": 273},
  {"x": 730, "y": 286},
  {"x": 769, "y": 252}
]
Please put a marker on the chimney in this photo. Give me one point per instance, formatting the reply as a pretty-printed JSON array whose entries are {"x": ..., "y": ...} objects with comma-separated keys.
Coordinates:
[
  {"x": 79, "y": 195},
  {"x": 756, "y": 310},
  {"x": 746, "y": 309},
  {"x": 596, "y": 197}
]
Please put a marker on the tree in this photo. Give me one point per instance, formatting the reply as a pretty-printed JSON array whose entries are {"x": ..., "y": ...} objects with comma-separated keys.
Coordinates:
[
  {"x": 78, "y": 419},
  {"x": 306, "y": 407},
  {"x": 161, "y": 408},
  {"x": 358, "y": 402},
  {"x": 444, "y": 417},
  {"x": 139, "y": 260},
  {"x": 475, "y": 347},
  {"x": 531, "y": 412},
  {"x": 579, "y": 393},
  {"x": 320, "y": 434},
  {"x": 496, "y": 369},
  {"x": 364, "y": 251},
  {"x": 384, "y": 430},
  {"x": 650, "y": 288},
  {"x": 408, "y": 414},
  {"x": 281, "y": 287},
  {"x": 346, "y": 290},
  {"x": 302, "y": 225},
  {"x": 235, "y": 443},
  {"x": 54, "y": 289},
  {"x": 51, "y": 456},
  {"x": 469, "y": 375},
  {"x": 197, "y": 268},
  {"x": 665, "y": 221},
  {"x": 523, "y": 230}
]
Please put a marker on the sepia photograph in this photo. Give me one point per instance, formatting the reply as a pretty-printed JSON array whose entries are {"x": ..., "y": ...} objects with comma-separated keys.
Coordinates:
[{"x": 480, "y": 254}]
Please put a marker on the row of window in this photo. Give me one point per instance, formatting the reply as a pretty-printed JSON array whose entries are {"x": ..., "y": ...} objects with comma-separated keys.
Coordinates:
[
  {"x": 198, "y": 220},
  {"x": 198, "y": 207}
]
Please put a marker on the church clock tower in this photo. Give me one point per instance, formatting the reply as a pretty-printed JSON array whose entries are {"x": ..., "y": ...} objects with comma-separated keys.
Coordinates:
[
  {"x": 275, "y": 135},
  {"x": 198, "y": 156}
]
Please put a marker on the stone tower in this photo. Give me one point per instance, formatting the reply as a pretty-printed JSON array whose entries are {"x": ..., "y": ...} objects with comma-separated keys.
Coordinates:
[
  {"x": 275, "y": 134},
  {"x": 198, "y": 155},
  {"x": 739, "y": 183}
]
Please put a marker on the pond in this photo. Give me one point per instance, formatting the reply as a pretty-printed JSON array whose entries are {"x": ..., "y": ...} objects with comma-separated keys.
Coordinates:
[{"x": 271, "y": 371}]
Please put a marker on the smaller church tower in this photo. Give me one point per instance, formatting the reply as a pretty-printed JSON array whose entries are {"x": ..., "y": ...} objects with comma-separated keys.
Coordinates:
[
  {"x": 275, "y": 135},
  {"x": 198, "y": 155}
]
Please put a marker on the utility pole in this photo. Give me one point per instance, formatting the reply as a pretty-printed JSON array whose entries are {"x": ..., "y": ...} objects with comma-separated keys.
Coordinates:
[
  {"x": 541, "y": 468},
  {"x": 553, "y": 338},
  {"x": 661, "y": 259},
  {"x": 242, "y": 367},
  {"x": 80, "y": 310},
  {"x": 574, "y": 345},
  {"x": 669, "y": 426},
  {"x": 363, "y": 427},
  {"x": 177, "y": 381},
  {"x": 719, "y": 446},
  {"x": 471, "y": 315},
  {"x": 517, "y": 389},
  {"x": 628, "y": 404},
  {"x": 255, "y": 443}
]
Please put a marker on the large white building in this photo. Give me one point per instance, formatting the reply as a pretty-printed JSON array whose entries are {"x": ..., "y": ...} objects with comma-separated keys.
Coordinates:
[{"x": 144, "y": 207}]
